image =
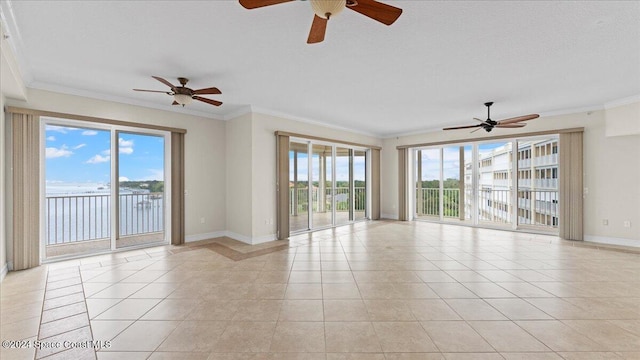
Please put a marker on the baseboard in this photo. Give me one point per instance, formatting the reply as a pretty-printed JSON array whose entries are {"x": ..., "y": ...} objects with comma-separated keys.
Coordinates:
[
  {"x": 612, "y": 240},
  {"x": 205, "y": 236},
  {"x": 389, "y": 216},
  {"x": 251, "y": 240},
  {"x": 264, "y": 239},
  {"x": 3, "y": 273}
]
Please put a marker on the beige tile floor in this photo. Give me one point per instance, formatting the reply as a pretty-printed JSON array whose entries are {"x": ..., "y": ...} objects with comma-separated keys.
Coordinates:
[{"x": 369, "y": 291}]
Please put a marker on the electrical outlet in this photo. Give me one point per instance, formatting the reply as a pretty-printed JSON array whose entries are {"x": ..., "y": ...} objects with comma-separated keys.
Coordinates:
[
  {"x": 586, "y": 191},
  {"x": 627, "y": 223},
  {"x": 605, "y": 222},
  {"x": 201, "y": 220}
]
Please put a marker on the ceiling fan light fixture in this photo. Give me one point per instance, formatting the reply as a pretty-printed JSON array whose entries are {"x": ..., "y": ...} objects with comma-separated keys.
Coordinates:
[
  {"x": 328, "y": 8},
  {"x": 182, "y": 99}
]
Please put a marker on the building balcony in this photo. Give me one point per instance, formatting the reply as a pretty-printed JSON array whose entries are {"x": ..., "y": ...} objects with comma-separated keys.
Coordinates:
[
  {"x": 545, "y": 160},
  {"x": 546, "y": 183}
]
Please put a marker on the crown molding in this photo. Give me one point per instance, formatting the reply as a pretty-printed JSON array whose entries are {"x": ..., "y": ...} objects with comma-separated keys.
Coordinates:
[
  {"x": 270, "y": 112},
  {"x": 621, "y": 102},
  {"x": 244, "y": 109},
  {"x": 99, "y": 96},
  {"x": 559, "y": 112},
  {"x": 10, "y": 27}
]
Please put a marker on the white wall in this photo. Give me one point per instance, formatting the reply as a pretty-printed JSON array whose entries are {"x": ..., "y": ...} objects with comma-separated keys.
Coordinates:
[
  {"x": 238, "y": 174},
  {"x": 623, "y": 120},
  {"x": 611, "y": 172},
  {"x": 205, "y": 149}
]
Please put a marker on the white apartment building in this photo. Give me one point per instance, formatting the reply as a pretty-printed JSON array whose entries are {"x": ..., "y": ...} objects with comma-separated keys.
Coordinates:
[{"x": 536, "y": 183}]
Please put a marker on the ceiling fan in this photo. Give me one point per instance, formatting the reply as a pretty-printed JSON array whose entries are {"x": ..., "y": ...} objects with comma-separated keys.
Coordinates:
[
  {"x": 183, "y": 95},
  {"x": 489, "y": 124},
  {"x": 326, "y": 9}
]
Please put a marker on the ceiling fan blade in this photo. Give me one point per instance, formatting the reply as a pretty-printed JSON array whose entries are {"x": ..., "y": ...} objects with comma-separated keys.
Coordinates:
[
  {"x": 510, "y": 125},
  {"x": 164, "y": 82},
  {"x": 463, "y": 127},
  {"x": 383, "y": 13},
  {"x": 207, "y": 91},
  {"x": 155, "y": 91},
  {"x": 208, "y": 101},
  {"x": 482, "y": 121},
  {"x": 518, "y": 119},
  {"x": 253, "y": 4},
  {"x": 318, "y": 29}
]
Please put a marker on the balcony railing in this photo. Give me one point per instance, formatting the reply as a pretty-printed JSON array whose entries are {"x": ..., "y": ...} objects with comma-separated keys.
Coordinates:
[
  {"x": 299, "y": 199},
  {"x": 535, "y": 207},
  {"x": 73, "y": 218},
  {"x": 428, "y": 202}
]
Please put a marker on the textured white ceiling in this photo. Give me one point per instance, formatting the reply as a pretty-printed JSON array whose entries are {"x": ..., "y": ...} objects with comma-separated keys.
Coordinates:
[{"x": 434, "y": 67}]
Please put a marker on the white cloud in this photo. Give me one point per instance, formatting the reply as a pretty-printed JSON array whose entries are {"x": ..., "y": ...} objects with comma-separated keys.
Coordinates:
[
  {"x": 126, "y": 150},
  {"x": 89, "y": 133},
  {"x": 52, "y": 152},
  {"x": 106, "y": 152},
  {"x": 125, "y": 143},
  {"x": 51, "y": 138},
  {"x": 123, "y": 178},
  {"x": 97, "y": 159},
  {"x": 80, "y": 146},
  {"x": 125, "y": 146},
  {"x": 60, "y": 129}
]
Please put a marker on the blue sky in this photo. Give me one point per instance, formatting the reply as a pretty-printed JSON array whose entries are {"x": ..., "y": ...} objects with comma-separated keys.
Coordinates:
[
  {"x": 451, "y": 162},
  {"x": 342, "y": 167},
  {"x": 80, "y": 155}
]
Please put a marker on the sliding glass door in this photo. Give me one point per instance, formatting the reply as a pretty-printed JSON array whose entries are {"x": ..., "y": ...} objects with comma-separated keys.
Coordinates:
[
  {"x": 104, "y": 188},
  {"x": 141, "y": 191},
  {"x": 495, "y": 183},
  {"x": 336, "y": 192},
  {"x": 298, "y": 186},
  {"x": 322, "y": 182},
  {"x": 490, "y": 184},
  {"x": 360, "y": 185},
  {"x": 343, "y": 194},
  {"x": 77, "y": 200}
]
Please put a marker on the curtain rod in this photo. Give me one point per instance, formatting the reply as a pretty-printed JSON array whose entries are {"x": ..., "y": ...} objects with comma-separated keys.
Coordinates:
[
  {"x": 18, "y": 110},
  {"x": 310, "y": 137},
  {"x": 511, "y": 136}
]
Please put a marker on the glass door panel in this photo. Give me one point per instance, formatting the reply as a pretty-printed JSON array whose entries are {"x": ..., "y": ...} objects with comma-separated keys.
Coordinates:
[
  {"x": 344, "y": 185},
  {"x": 298, "y": 186},
  {"x": 428, "y": 183},
  {"x": 321, "y": 180},
  {"x": 141, "y": 190},
  {"x": 456, "y": 183},
  {"x": 77, "y": 202},
  {"x": 495, "y": 183},
  {"x": 538, "y": 183},
  {"x": 360, "y": 184}
]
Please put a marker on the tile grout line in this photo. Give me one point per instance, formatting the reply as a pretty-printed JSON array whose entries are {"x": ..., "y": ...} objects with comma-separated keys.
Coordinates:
[{"x": 86, "y": 312}]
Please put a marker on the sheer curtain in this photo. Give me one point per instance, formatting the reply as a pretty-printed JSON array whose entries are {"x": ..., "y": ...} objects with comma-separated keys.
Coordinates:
[
  {"x": 25, "y": 190},
  {"x": 403, "y": 167},
  {"x": 375, "y": 184},
  {"x": 282, "y": 186},
  {"x": 570, "y": 181},
  {"x": 177, "y": 189}
]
